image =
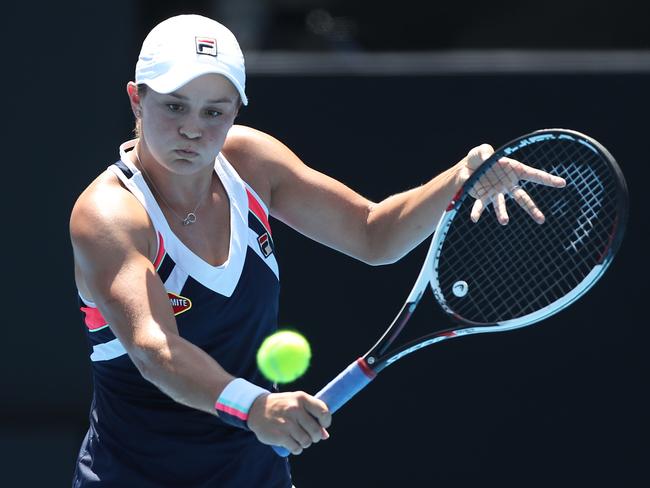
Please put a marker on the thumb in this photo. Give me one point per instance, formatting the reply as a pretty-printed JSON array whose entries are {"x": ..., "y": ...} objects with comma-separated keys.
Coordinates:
[
  {"x": 478, "y": 155},
  {"x": 319, "y": 410}
]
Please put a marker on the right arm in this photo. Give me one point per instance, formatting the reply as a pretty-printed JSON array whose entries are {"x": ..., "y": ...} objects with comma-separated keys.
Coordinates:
[{"x": 111, "y": 244}]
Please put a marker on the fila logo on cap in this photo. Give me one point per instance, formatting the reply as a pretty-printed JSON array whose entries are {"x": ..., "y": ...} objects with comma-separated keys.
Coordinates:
[{"x": 206, "y": 45}]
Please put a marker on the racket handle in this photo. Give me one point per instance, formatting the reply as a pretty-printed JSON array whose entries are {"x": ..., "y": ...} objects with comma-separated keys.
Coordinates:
[
  {"x": 338, "y": 391},
  {"x": 347, "y": 384}
]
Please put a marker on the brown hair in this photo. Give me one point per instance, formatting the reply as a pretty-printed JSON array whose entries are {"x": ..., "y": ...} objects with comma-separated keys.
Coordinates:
[{"x": 142, "y": 91}]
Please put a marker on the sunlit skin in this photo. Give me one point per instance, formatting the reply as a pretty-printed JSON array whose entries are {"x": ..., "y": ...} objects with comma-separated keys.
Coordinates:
[
  {"x": 503, "y": 179},
  {"x": 182, "y": 134}
]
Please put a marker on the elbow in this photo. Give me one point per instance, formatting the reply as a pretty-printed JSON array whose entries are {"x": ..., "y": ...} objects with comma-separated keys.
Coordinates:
[
  {"x": 144, "y": 361},
  {"x": 376, "y": 249},
  {"x": 379, "y": 258},
  {"x": 382, "y": 262},
  {"x": 149, "y": 359}
]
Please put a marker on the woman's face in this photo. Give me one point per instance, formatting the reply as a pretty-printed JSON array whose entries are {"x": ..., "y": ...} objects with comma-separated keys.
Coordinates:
[{"x": 185, "y": 130}]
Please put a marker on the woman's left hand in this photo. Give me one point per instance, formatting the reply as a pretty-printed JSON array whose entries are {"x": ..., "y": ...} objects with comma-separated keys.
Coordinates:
[{"x": 504, "y": 179}]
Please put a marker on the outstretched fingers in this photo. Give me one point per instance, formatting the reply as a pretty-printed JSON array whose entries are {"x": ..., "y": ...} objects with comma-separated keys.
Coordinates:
[
  {"x": 500, "y": 208},
  {"x": 526, "y": 202},
  {"x": 499, "y": 203},
  {"x": 477, "y": 210},
  {"x": 534, "y": 175},
  {"x": 503, "y": 179}
]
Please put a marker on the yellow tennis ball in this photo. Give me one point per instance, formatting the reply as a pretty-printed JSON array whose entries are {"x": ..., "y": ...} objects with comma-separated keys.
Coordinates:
[{"x": 284, "y": 356}]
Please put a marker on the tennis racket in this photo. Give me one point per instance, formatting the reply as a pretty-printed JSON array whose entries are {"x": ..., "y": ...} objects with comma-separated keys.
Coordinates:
[{"x": 493, "y": 278}]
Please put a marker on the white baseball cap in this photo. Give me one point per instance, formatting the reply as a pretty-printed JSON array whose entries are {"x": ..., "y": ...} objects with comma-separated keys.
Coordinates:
[{"x": 186, "y": 46}]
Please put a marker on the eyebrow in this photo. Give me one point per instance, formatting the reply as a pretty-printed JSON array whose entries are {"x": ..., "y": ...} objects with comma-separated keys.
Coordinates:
[{"x": 220, "y": 100}]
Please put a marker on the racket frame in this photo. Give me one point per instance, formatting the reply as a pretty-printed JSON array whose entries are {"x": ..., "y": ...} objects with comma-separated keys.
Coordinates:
[
  {"x": 363, "y": 370},
  {"x": 378, "y": 357}
]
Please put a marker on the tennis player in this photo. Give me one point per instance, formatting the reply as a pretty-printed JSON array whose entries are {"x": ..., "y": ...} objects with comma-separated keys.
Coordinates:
[{"x": 178, "y": 281}]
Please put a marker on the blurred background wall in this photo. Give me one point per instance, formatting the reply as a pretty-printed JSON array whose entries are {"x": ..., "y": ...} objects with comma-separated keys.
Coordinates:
[{"x": 559, "y": 405}]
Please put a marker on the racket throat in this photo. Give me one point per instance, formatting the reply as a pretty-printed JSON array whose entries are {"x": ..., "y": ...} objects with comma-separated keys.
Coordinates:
[{"x": 386, "y": 340}]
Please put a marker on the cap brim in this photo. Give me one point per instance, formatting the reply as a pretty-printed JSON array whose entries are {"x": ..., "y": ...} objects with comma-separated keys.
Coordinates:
[{"x": 181, "y": 75}]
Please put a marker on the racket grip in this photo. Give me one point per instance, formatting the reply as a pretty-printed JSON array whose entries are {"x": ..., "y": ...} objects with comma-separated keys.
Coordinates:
[
  {"x": 338, "y": 391},
  {"x": 347, "y": 384}
]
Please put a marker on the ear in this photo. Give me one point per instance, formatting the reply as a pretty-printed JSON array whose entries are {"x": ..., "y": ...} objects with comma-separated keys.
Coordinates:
[{"x": 134, "y": 98}]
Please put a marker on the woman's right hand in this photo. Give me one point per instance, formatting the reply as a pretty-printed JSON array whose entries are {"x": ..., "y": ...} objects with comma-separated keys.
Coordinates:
[{"x": 293, "y": 420}]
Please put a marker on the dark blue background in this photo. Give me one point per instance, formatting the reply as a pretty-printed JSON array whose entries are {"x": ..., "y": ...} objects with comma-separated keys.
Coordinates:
[{"x": 562, "y": 404}]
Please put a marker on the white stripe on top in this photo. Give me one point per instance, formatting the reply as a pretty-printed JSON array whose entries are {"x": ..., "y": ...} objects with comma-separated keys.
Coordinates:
[{"x": 221, "y": 279}]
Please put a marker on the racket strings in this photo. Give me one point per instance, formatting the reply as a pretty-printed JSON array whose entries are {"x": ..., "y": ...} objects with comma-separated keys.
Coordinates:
[
  {"x": 515, "y": 270},
  {"x": 513, "y": 255},
  {"x": 580, "y": 229}
]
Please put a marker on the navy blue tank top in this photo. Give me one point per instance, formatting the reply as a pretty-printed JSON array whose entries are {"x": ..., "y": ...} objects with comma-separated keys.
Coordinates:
[{"x": 138, "y": 436}]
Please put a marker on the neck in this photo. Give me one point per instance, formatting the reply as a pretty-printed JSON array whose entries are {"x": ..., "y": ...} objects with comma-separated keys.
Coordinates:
[{"x": 180, "y": 192}]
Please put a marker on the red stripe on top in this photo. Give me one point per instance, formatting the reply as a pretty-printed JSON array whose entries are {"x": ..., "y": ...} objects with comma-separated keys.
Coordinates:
[
  {"x": 93, "y": 318},
  {"x": 161, "y": 251},
  {"x": 255, "y": 207}
]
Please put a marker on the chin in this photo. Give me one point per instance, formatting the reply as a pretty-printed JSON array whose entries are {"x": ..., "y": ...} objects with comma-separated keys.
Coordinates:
[{"x": 190, "y": 165}]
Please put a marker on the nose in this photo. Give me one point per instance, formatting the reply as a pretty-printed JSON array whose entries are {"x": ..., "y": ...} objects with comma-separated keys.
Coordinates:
[{"x": 190, "y": 128}]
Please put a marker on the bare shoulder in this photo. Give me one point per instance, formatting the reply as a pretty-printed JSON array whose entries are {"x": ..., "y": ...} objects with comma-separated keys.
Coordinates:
[
  {"x": 251, "y": 145},
  {"x": 258, "y": 157},
  {"x": 106, "y": 215}
]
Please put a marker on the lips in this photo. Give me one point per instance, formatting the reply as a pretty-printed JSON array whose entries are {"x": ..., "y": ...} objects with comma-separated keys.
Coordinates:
[{"x": 188, "y": 153}]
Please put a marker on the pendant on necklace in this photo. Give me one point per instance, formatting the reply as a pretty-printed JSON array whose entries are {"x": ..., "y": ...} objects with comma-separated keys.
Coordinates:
[{"x": 190, "y": 219}]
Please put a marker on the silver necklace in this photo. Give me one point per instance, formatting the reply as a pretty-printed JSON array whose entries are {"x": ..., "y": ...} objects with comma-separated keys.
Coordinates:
[{"x": 190, "y": 218}]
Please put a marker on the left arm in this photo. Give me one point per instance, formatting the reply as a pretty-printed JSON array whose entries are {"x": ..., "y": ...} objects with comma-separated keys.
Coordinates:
[
  {"x": 329, "y": 212},
  {"x": 376, "y": 233}
]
